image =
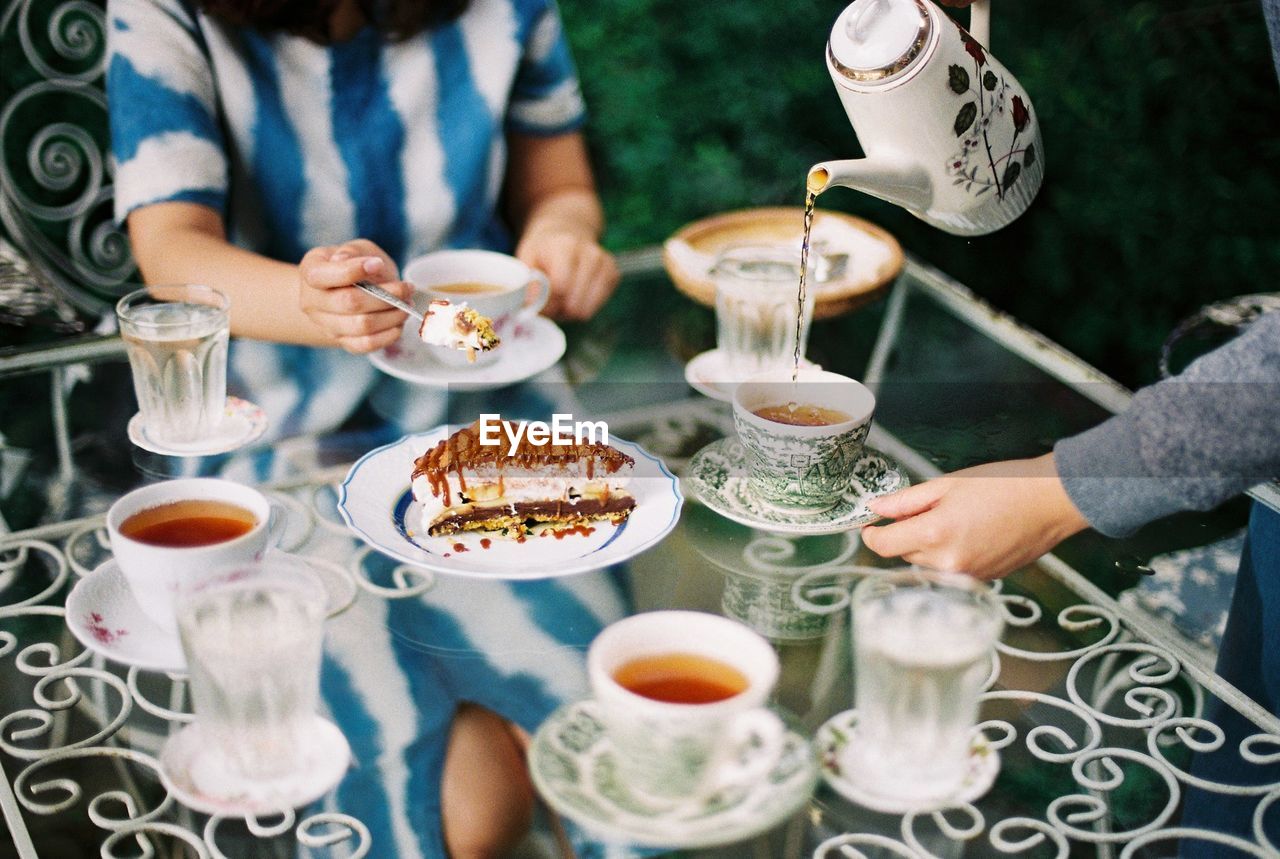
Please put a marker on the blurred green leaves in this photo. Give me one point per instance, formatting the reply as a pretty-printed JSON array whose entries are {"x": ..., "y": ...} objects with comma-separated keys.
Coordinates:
[{"x": 1161, "y": 145}]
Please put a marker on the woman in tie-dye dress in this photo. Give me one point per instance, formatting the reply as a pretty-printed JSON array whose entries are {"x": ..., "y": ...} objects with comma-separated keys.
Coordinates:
[{"x": 280, "y": 150}]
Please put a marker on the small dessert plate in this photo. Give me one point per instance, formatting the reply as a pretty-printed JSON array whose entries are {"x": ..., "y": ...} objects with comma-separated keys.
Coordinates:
[
  {"x": 574, "y": 768},
  {"x": 242, "y": 423},
  {"x": 195, "y": 774},
  {"x": 717, "y": 476},
  {"x": 837, "y": 732},
  {"x": 377, "y": 503},
  {"x": 708, "y": 375},
  {"x": 535, "y": 346},
  {"x": 103, "y": 616}
]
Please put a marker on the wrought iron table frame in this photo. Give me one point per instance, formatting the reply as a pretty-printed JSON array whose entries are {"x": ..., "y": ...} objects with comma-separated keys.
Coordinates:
[{"x": 1124, "y": 630}]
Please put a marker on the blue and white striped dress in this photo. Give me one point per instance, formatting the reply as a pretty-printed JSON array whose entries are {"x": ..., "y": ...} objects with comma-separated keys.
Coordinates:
[{"x": 298, "y": 145}]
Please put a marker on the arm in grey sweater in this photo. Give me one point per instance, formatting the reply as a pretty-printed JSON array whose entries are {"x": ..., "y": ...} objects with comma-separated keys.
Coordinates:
[{"x": 1190, "y": 442}]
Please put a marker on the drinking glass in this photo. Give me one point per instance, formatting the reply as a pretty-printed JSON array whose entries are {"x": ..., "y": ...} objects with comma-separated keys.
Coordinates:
[
  {"x": 922, "y": 650},
  {"x": 757, "y": 308},
  {"x": 252, "y": 638},
  {"x": 176, "y": 337}
]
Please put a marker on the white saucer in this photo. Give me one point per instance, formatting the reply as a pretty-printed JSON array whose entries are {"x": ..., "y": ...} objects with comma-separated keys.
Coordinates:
[
  {"x": 328, "y": 756},
  {"x": 242, "y": 423},
  {"x": 708, "y": 375},
  {"x": 535, "y": 346},
  {"x": 573, "y": 767},
  {"x": 717, "y": 476},
  {"x": 836, "y": 733},
  {"x": 103, "y": 616},
  {"x": 376, "y": 501}
]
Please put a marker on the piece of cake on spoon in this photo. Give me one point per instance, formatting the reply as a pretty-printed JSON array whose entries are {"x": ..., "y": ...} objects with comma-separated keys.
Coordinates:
[
  {"x": 454, "y": 326},
  {"x": 457, "y": 326}
]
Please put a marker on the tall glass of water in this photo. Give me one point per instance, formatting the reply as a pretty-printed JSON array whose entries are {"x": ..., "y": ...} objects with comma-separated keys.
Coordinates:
[
  {"x": 922, "y": 651},
  {"x": 176, "y": 337},
  {"x": 759, "y": 316},
  {"x": 252, "y": 639}
]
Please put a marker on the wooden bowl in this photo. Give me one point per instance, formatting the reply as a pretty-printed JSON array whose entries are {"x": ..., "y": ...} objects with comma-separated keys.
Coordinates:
[{"x": 874, "y": 256}]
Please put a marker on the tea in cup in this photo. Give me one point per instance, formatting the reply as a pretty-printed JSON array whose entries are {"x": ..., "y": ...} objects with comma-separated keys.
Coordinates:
[
  {"x": 802, "y": 438},
  {"x": 493, "y": 284},
  {"x": 682, "y": 697},
  {"x": 168, "y": 533}
]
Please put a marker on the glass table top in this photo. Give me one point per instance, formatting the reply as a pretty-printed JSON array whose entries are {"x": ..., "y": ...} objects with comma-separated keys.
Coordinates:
[{"x": 1097, "y": 700}]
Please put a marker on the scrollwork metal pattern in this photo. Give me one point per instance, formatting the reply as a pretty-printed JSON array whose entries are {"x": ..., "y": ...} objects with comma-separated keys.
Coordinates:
[
  {"x": 68, "y": 680},
  {"x": 1138, "y": 686},
  {"x": 55, "y": 181}
]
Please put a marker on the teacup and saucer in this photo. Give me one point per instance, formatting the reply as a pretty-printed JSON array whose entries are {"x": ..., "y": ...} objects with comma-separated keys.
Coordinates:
[
  {"x": 677, "y": 746},
  {"x": 498, "y": 286},
  {"x": 800, "y": 464}
]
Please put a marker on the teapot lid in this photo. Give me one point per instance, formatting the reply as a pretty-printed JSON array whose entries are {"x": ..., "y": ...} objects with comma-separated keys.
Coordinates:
[{"x": 874, "y": 40}]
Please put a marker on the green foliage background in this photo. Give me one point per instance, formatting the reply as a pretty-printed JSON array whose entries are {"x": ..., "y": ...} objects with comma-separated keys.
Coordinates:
[{"x": 1161, "y": 125}]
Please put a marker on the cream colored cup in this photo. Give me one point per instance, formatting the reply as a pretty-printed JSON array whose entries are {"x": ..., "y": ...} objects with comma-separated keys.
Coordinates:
[
  {"x": 509, "y": 307},
  {"x": 155, "y": 574}
]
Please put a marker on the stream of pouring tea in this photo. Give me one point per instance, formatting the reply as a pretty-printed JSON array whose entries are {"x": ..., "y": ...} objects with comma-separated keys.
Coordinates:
[{"x": 809, "y": 202}]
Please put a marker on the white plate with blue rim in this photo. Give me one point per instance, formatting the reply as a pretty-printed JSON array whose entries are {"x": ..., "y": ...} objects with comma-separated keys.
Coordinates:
[{"x": 377, "y": 504}]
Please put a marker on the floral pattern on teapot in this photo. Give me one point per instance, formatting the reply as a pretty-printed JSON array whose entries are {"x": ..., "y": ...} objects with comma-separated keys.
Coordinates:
[{"x": 986, "y": 102}]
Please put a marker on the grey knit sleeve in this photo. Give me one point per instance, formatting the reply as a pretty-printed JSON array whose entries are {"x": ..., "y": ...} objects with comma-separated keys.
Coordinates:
[{"x": 1187, "y": 443}]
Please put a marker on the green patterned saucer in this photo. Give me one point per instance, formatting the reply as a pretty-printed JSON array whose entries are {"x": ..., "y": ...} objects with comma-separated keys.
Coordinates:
[
  {"x": 717, "y": 476},
  {"x": 838, "y": 732},
  {"x": 575, "y": 771}
]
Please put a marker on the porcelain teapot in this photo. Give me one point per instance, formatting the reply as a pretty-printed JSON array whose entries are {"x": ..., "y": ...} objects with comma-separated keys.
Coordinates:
[{"x": 948, "y": 133}]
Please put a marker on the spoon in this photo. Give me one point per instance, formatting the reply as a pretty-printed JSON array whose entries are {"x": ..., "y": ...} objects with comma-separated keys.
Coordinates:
[{"x": 382, "y": 295}]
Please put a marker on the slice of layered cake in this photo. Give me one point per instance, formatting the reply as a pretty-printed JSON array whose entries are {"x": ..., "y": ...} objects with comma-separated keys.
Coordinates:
[
  {"x": 457, "y": 326},
  {"x": 464, "y": 485}
]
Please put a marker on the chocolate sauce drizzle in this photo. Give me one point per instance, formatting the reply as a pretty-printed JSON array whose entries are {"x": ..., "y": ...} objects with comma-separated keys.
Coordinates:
[{"x": 463, "y": 450}]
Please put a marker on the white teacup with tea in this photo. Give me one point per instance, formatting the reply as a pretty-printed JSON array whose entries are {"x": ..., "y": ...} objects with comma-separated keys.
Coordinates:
[
  {"x": 682, "y": 697},
  {"x": 495, "y": 285},
  {"x": 168, "y": 533}
]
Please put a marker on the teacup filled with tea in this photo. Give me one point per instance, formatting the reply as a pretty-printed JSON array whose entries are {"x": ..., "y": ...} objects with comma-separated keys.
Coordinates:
[
  {"x": 803, "y": 433},
  {"x": 682, "y": 696},
  {"x": 165, "y": 534},
  {"x": 495, "y": 285}
]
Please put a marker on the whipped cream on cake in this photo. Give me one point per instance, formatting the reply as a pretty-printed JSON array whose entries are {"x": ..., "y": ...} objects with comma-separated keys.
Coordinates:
[
  {"x": 457, "y": 326},
  {"x": 464, "y": 485}
]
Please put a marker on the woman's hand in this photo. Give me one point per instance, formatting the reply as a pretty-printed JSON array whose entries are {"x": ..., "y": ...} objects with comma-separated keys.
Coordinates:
[
  {"x": 986, "y": 521},
  {"x": 358, "y": 322},
  {"x": 582, "y": 274}
]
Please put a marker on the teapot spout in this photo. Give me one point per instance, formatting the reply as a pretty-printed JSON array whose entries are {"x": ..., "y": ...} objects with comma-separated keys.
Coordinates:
[{"x": 905, "y": 185}]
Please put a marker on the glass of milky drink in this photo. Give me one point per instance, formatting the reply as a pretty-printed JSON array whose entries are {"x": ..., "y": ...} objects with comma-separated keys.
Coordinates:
[
  {"x": 252, "y": 639},
  {"x": 803, "y": 432},
  {"x": 923, "y": 643},
  {"x": 761, "y": 322},
  {"x": 176, "y": 337}
]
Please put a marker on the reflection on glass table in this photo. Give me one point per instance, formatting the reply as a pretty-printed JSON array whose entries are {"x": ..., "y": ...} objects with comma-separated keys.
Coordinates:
[{"x": 1094, "y": 703}]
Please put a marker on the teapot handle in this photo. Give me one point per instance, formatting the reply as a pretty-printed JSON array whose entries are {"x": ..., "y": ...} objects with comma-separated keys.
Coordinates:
[{"x": 980, "y": 22}]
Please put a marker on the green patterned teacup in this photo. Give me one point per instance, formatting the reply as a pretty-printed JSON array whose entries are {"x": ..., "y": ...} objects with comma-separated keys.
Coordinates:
[
  {"x": 802, "y": 468},
  {"x": 679, "y": 752}
]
